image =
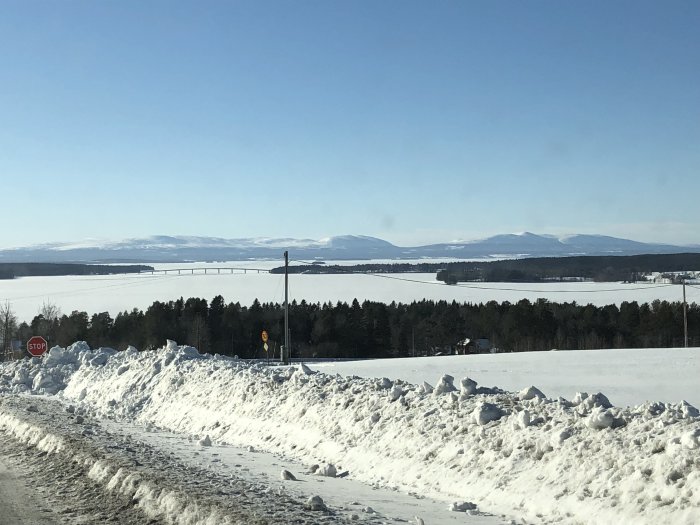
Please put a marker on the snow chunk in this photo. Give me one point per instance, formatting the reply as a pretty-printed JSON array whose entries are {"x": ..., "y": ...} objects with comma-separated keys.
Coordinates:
[
  {"x": 315, "y": 503},
  {"x": 287, "y": 476},
  {"x": 101, "y": 356},
  {"x": 43, "y": 381},
  {"x": 395, "y": 393},
  {"x": 484, "y": 413},
  {"x": 586, "y": 403},
  {"x": 426, "y": 388},
  {"x": 384, "y": 383},
  {"x": 467, "y": 387},
  {"x": 688, "y": 410},
  {"x": 72, "y": 355},
  {"x": 530, "y": 392},
  {"x": 55, "y": 356},
  {"x": 600, "y": 418},
  {"x": 691, "y": 439},
  {"x": 303, "y": 369},
  {"x": 559, "y": 436},
  {"x": 520, "y": 420},
  {"x": 462, "y": 506},
  {"x": 21, "y": 377},
  {"x": 445, "y": 385},
  {"x": 328, "y": 470}
]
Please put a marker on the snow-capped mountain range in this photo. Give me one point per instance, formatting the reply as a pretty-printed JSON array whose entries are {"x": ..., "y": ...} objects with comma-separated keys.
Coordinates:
[{"x": 162, "y": 248}]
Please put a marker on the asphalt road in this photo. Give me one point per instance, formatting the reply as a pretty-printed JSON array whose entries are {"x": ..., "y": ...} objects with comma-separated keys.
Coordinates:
[{"x": 19, "y": 505}]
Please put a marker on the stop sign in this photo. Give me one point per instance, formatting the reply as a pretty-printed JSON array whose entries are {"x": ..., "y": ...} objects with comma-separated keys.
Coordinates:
[{"x": 36, "y": 345}]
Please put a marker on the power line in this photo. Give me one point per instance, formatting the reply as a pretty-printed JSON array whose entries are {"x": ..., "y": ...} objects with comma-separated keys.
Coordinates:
[
  {"x": 69, "y": 293},
  {"x": 149, "y": 280},
  {"x": 204, "y": 270},
  {"x": 505, "y": 289}
]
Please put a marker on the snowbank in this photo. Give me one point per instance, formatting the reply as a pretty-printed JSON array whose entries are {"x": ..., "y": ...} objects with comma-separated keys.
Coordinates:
[{"x": 581, "y": 461}]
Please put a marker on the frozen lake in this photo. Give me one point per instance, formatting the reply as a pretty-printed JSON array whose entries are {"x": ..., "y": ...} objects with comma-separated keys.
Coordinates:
[{"x": 117, "y": 293}]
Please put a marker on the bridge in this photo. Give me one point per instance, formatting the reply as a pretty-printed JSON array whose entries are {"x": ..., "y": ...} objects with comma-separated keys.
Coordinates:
[{"x": 204, "y": 270}]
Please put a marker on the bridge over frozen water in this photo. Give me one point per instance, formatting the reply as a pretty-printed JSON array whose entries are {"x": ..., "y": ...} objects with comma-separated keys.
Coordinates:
[{"x": 204, "y": 270}]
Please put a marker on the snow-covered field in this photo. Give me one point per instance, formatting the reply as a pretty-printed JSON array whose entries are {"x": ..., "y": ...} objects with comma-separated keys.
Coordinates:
[
  {"x": 467, "y": 453},
  {"x": 628, "y": 377},
  {"x": 118, "y": 293}
]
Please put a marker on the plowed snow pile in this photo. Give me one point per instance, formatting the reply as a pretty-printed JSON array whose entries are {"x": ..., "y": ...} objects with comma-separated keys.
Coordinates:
[{"x": 518, "y": 454}]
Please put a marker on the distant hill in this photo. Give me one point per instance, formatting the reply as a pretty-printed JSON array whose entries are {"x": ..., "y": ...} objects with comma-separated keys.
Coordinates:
[{"x": 347, "y": 247}]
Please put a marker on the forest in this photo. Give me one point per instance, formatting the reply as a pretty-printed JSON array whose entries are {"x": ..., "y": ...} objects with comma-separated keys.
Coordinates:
[{"x": 372, "y": 329}]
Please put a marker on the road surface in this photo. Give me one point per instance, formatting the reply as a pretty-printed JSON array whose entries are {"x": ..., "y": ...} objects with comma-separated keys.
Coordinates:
[
  {"x": 21, "y": 504},
  {"x": 63, "y": 466}
]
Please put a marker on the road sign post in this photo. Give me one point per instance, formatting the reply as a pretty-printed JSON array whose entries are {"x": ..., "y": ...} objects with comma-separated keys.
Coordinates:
[
  {"x": 264, "y": 338},
  {"x": 36, "y": 346}
]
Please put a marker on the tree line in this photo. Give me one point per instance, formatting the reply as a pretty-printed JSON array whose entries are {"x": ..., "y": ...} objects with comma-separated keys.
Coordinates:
[
  {"x": 605, "y": 268},
  {"x": 369, "y": 329},
  {"x": 13, "y": 270},
  {"x": 602, "y": 268}
]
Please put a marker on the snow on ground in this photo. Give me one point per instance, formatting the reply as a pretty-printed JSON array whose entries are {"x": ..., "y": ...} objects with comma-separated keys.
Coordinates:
[
  {"x": 628, "y": 377},
  {"x": 479, "y": 450}
]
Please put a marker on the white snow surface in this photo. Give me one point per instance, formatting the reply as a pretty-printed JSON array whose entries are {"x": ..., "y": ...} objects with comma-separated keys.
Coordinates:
[
  {"x": 517, "y": 454},
  {"x": 628, "y": 376}
]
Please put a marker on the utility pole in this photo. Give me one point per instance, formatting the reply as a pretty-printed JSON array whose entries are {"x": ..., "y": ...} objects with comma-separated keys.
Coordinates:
[
  {"x": 685, "y": 316},
  {"x": 285, "y": 353},
  {"x": 413, "y": 341}
]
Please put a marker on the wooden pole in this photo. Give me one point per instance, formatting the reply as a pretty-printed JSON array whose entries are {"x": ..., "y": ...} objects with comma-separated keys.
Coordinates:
[
  {"x": 285, "y": 354},
  {"x": 685, "y": 317}
]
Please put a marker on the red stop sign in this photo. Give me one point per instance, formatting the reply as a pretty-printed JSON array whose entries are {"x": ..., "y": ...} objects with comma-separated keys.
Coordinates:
[{"x": 36, "y": 345}]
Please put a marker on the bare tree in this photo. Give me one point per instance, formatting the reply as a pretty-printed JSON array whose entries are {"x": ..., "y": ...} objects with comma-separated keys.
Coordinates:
[
  {"x": 48, "y": 321},
  {"x": 50, "y": 311},
  {"x": 8, "y": 327}
]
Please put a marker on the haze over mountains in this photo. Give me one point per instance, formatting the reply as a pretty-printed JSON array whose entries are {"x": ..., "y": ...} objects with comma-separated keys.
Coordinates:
[{"x": 347, "y": 247}]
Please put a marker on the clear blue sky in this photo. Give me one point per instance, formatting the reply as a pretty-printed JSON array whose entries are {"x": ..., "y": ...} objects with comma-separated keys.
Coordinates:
[{"x": 416, "y": 122}]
